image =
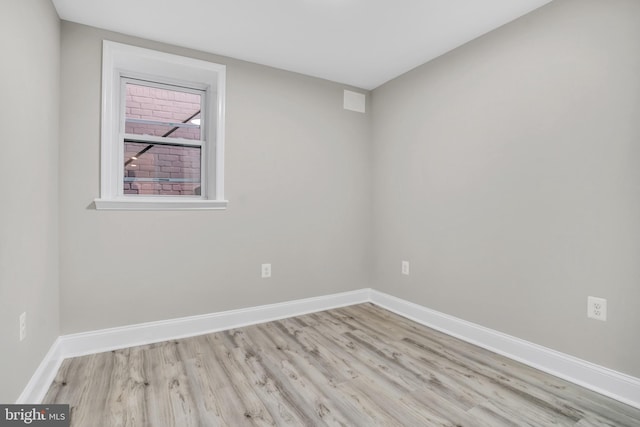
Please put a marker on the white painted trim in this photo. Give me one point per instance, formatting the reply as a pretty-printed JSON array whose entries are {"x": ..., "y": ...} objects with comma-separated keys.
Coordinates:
[
  {"x": 121, "y": 61},
  {"x": 220, "y": 121},
  {"x": 602, "y": 380},
  {"x": 605, "y": 381},
  {"x": 42, "y": 378},
  {"x": 158, "y": 204},
  {"x": 81, "y": 344},
  {"x": 151, "y": 332}
]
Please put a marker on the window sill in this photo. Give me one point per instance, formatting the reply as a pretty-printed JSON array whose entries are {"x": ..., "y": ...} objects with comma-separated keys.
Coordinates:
[{"x": 159, "y": 204}]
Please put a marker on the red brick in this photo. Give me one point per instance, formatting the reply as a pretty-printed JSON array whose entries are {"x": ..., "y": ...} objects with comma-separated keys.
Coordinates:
[
  {"x": 162, "y": 114},
  {"x": 169, "y": 157},
  {"x": 175, "y": 172},
  {"x": 141, "y": 99}
]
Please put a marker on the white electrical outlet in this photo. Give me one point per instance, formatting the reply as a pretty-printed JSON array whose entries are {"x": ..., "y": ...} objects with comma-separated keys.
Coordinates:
[
  {"x": 266, "y": 271},
  {"x": 405, "y": 268},
  {"x": 23, "y": 326},
  {"x": 597, "y": 308}
]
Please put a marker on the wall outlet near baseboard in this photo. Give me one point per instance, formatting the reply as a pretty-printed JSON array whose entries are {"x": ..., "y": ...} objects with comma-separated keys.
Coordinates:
[
  {"x": 597, "y": 308},
  {"x": 23, "y": 326},
  {"x": 266, "y": 271},
  {"x": 405, "y": 268}
]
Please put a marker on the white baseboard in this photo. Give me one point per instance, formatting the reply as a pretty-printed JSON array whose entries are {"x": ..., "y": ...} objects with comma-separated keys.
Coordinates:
[
  {"x": 43, "y": 376},
  {"x": 81, "y": 344},
  {"x": 616, "y": 385},
  {"x": 146, "y": 333},
  {"x": 597, "y": 378}
]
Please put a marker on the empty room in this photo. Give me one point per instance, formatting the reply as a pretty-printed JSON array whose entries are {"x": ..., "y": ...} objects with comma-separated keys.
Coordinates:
[{"x": 320, "y": 212}]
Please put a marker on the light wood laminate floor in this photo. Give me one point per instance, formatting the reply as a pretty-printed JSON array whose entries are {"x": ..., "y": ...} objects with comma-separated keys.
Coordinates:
[{"x": 353, "y": 366}]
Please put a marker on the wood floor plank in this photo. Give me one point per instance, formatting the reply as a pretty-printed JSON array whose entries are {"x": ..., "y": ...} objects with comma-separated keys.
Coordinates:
[
  {"x": 77, "y": 383},
  {"x": 492, "y": 382},
  {"x": 418, "y": 372},
  {"x": 170, "y": 400},
  {"x": 526, "y": 414},
  {"x": 358, "y": 363},
  {"x": 313, "y": 380},
  {"x": 388, "y": 403},
  {"x": 574, "y": 400},
  {"x": 353, "y": 366},
  {"x": 229, "y": 399},
  {"x": 125, "y": 401},
  {"x": 287, "y": 339},
  {"x": 274, "y": 387},
  {"x": 472, "y": 395},
  {"x": 591, "y": 422}
]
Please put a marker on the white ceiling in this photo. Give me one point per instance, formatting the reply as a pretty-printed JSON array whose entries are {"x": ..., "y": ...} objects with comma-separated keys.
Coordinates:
[{"x": 363, "y": 43}]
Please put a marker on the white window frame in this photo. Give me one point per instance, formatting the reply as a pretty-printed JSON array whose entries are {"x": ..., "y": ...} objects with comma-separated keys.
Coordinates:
[{"x": 120, "y": 61}]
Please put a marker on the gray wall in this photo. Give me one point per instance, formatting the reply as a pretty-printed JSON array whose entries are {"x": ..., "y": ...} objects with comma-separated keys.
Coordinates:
[
  {"x": 30, "y": 48},
  {"x": 298, "y": 182},
  {"x": 507, "y": 173}
]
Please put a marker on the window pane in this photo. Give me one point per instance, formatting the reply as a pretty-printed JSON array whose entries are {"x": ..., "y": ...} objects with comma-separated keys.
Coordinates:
[
  {"x": 162, "y": 112},
  {"x": 161, "y": 170}
]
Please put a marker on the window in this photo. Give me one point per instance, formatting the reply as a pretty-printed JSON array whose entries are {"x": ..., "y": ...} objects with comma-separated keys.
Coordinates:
[
  {"x": 162, "y": 142},
  {"x": 163, "y": 139}
]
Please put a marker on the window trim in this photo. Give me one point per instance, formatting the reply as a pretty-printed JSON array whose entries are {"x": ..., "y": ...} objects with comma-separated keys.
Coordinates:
[{"x": 122, "y": 61}]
